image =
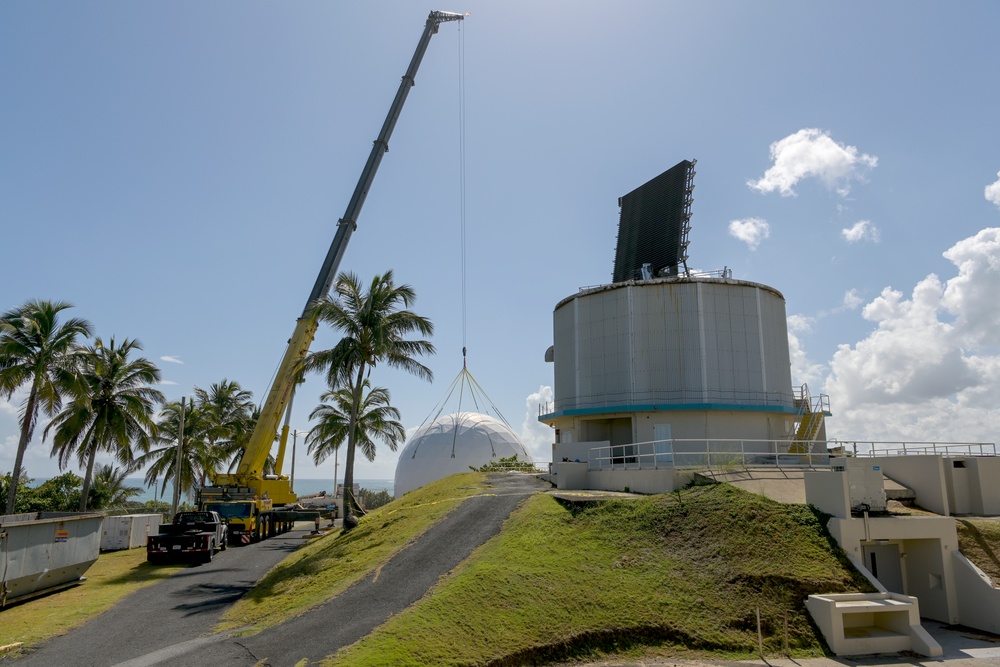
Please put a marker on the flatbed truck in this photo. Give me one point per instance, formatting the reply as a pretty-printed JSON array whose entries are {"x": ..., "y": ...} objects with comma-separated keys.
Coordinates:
[{"x": 191, "y": 535}]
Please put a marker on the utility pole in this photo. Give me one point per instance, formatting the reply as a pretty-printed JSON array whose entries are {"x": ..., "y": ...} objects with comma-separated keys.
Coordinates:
[
  {"x": 177, "y": 463},
  {"x": 295, "y": 442}
]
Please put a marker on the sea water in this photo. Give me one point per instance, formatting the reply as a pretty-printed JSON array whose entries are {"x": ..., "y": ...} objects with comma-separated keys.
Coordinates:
[{"x": 303, "y": 487}]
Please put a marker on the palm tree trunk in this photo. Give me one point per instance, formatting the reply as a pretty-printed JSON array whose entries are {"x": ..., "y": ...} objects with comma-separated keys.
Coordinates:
[
  {"x": 349, "y": 459},
  {"x": 87, "y": 477},
  {"x": 22, "y": 445}
]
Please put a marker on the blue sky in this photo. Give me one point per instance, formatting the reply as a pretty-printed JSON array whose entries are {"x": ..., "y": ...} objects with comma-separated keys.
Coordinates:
[{"x": 176, "y": 171}]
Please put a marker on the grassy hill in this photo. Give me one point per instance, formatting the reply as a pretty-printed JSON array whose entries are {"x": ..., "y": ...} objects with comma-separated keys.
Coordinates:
[
  {"x": 682, "y": 570},
  {"x": 654, "y": 574}
]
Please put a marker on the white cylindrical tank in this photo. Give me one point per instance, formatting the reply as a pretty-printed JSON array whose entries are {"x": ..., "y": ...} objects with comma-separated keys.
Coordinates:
[
  {"x": 452, "y": 444},
  {"x": 708, "y": 343}
]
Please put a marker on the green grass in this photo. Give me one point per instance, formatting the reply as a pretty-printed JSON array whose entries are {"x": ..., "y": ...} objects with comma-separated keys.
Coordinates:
[
  {"x": 654, "y": 576},
  {"x": 641, "y": 576},
  {"x": 330, "y": 564},
  {"x": 112, "y": 577},
  {"x": 979, "y": 541}
]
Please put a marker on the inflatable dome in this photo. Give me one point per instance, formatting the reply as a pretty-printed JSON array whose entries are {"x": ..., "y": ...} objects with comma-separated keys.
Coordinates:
[{"x": 451, "y": 444}]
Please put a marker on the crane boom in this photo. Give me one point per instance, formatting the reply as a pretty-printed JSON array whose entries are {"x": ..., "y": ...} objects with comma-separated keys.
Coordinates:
[{"x": 250, "y": 471}]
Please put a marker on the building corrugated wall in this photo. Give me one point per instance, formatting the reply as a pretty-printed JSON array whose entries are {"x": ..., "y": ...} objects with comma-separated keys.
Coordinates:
[{"x": 678, "y": 341}]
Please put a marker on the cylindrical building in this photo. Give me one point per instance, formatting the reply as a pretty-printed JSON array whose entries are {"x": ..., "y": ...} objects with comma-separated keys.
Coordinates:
[{"x": 679, "y": 358}]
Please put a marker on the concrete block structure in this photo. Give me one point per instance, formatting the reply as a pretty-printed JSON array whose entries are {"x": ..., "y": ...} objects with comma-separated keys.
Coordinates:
[
  {"x": 946, "y": 484},
  {"x": 863, "y": 623},
  {"x": 914, "y": 555}
]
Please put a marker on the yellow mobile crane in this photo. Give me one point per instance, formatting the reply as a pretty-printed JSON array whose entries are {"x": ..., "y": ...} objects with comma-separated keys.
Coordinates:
[{"x": 258, "y": 505}]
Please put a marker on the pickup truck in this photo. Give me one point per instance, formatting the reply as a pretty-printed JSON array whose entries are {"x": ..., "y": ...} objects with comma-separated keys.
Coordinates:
[{"x": 191, "y": 535}]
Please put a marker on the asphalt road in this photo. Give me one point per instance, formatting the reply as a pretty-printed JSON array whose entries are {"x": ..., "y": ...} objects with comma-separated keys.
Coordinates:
[
  {"x": 180, "y": 608},
  {"x": 369, "y": 603},
  {"x": 166, "y": 623}
]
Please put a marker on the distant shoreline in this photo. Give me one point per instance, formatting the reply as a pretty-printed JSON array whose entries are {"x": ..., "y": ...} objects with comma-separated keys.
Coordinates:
[{"x": 303, "y": 487}]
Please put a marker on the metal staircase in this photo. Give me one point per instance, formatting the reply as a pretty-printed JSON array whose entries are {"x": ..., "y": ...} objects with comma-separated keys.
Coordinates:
[{"x": 811, "y": 414}]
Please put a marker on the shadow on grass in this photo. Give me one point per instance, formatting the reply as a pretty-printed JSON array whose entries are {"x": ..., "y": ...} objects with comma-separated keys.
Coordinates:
[
  {"x": 986, "y": 547},
  {"x": 598, "y": 643}
]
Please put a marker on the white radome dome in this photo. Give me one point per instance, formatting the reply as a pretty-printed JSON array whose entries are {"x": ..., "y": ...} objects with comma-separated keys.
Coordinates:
[{"x": 451, "y": 444}]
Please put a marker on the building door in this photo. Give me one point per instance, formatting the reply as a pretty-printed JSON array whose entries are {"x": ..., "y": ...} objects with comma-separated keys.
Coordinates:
[
  {"x": 663, "y": 448},
  {"x": 882, "y": 560}
]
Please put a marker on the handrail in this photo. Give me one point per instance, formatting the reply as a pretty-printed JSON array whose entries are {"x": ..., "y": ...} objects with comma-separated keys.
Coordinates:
[
  {"x": 863, "y": 448},
  {"x": 720, "y": 453},
  {"x": 710, "y": 454}
]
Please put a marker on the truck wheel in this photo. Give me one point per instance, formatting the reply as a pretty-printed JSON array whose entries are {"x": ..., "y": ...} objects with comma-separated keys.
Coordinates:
[
  {"x": 225, "y": 543},
  {"x": 207, "y": 557}
]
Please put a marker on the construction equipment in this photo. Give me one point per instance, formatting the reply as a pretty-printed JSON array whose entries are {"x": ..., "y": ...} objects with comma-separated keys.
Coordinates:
[
  {"x": 190, "y": 535},
  {"x": 272, "y": 492}
]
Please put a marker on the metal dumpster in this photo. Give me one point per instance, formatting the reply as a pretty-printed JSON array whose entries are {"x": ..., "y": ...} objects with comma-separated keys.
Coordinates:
[
  {"x": 44, "y": 550},
  {"x": 128, "y": 531}
]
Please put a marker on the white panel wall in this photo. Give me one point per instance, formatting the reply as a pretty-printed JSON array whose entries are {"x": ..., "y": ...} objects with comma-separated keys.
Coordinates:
[{"x": 670, "y": 342}]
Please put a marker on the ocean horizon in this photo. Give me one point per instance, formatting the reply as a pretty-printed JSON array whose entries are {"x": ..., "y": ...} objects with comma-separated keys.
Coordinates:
[{"x": 302, "y": 487}]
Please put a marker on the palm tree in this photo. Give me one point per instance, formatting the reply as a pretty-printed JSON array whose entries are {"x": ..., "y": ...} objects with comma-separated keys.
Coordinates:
[
  {"x": 229, "y": 414},
  {"x": 196, "y": 456},
  {"x": 111, "y": 409},
  {"x": 36, "y": 350},
  {"x": 377, "y": 420},
  {"x": 236, "y": 448},
  {"x": 109, "y": 486},
  {"x": 375, "y": 325}
]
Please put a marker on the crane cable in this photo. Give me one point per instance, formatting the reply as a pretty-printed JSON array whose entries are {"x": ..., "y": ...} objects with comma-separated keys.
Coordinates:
[
  {"x": 464, "y": 377},
  {"x": 476, "y": 393},
  {"x": 461, "y": 216},
  {"x": 461, "y": 179}
]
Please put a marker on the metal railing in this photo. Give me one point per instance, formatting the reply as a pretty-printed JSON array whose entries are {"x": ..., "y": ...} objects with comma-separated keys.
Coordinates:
[
  {"x": 529, "y": 467},
  {"x": 902, "y": 448},
  {"x": 722, "y": 454},
  {"x": 818, "y": 403},
  {"x": 715, "y": 454}
]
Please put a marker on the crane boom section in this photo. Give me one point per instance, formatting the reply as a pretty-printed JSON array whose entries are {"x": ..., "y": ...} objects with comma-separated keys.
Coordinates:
[
  {"x": 250, "y": 471},
  {"x": 347, "y": 224},
  {"x": 259, "y": 445}
]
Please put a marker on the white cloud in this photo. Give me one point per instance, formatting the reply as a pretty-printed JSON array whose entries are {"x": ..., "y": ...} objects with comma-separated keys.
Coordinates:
[
  {"x": 930, "y": 369},
  {"x": 804, "y": 371},
  {"x": 851, "y": 300},
  {"x": 10, "y": 424},
  {"x": 863, "y": 230},
  {"x": 971, "y": 296},
  {"x": 993, "y": 191},
  {"x": 8, "y": 451},
  {"x": 750, "y": 230},
  {"x": 37, "y": 460},
  {"x": 167, "y": 383},
  {"x": 812, "y": 153},
  {"x": 537, "y": 437},
  {"x": 6, "y": 407},
  {"x": 171, "y": 360},
  {"x": 800, "y": 323}
]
